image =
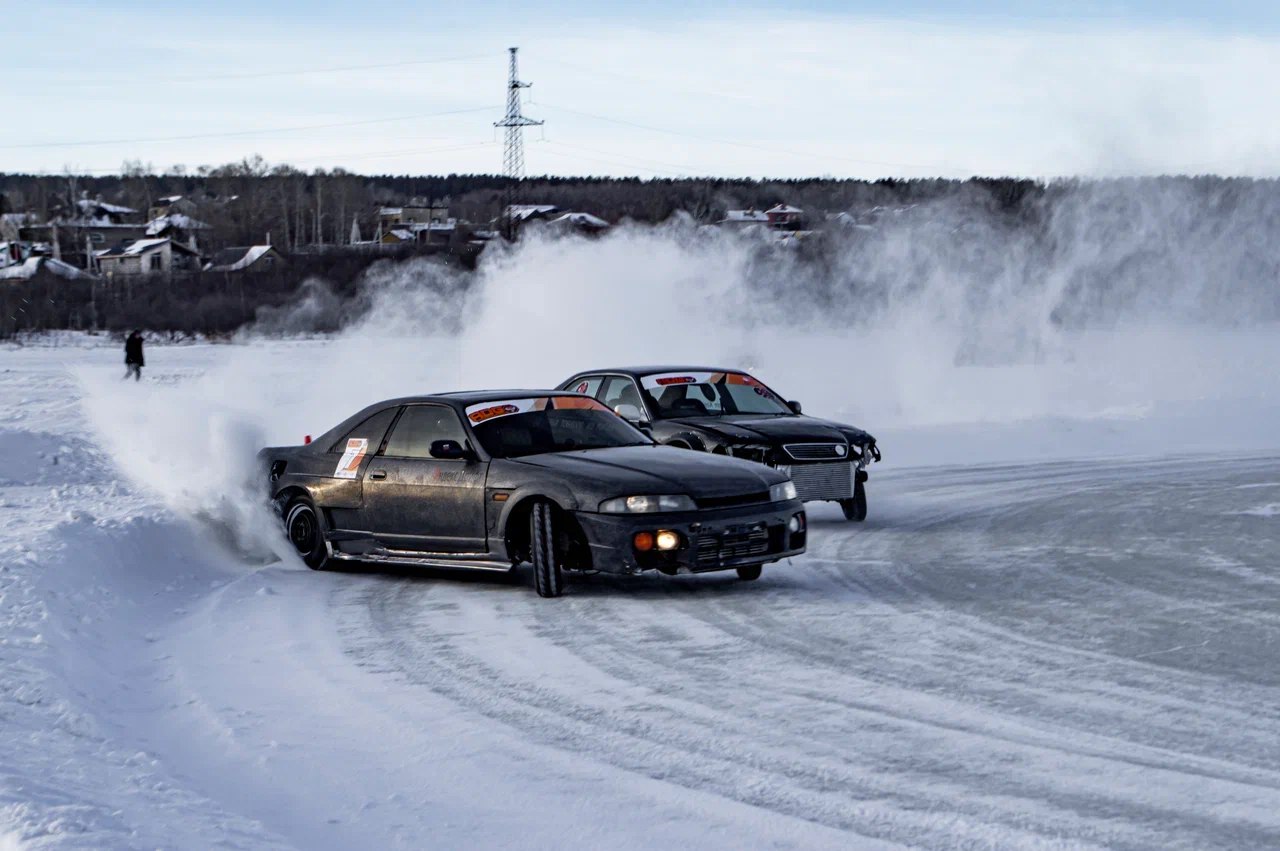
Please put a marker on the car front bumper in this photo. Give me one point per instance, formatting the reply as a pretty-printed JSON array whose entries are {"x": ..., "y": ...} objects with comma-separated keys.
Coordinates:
[{"x": 710, "y": 540}]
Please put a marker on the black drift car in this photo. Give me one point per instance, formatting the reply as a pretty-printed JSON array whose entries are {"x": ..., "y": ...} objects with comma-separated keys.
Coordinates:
[
  {"x": 487, "y": 480},
  {"x": 728, "y": 412}
]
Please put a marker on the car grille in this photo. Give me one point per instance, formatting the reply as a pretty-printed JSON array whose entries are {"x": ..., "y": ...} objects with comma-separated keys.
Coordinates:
[
  {"x": 712, "y": 550},
  {"x": 730, "y": 501},
  {"x": 823, "y": 481},
  {"x": 816, "y": 451}
]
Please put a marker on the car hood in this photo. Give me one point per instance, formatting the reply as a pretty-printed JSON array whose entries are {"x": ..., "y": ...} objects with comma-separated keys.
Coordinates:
[
  {"x": 772, "y": 430},
  {"x": 630, "y": 470}
]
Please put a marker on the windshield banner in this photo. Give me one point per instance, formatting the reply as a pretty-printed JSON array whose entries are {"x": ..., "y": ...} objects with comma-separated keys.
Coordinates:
[
  {"x": 506, "y": 407},
  {"x": 668, "y": 379}
]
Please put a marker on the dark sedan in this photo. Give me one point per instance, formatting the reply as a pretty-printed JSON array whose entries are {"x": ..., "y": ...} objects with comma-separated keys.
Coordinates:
[
  {"x": 728, "y": 412},
  {"x": 486, "y": 480}
]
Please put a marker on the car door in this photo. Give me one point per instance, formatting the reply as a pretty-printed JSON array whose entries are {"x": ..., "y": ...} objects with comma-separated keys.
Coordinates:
[{"x": 413, "y": 501}]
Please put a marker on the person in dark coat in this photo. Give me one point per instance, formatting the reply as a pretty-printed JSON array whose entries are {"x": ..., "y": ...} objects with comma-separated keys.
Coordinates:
[{"x": 133, "y": 361}]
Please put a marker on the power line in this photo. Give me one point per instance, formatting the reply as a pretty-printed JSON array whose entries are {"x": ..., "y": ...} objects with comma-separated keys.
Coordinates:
[
  {"x": 739, "y": 144},
  {"x": 241, "y": 133},
  {"x": 334, "y": 70},
  {"x": 345, "y": 157},
  {"x": 154, "y": 80}
]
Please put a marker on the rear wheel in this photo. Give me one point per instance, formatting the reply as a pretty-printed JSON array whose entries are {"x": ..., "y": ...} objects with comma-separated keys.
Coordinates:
[
  {"x": 548, "y": 578},
  {"x": 856, "y": 509},
  {"x": 750, "y": 573},
  {"x": 305, "y": 530}
]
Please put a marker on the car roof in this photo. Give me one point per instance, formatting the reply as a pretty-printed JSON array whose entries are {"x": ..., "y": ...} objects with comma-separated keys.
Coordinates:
[
  {"x": 637, "y": 371},
  {"x": 476, "y": 397}
]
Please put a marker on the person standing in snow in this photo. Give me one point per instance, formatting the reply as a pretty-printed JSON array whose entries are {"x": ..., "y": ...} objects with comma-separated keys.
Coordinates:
[{"x": 133, "y": 361}]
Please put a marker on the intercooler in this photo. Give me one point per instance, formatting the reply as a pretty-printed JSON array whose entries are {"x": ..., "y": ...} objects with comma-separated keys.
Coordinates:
[{"x": 832, "y": 480}]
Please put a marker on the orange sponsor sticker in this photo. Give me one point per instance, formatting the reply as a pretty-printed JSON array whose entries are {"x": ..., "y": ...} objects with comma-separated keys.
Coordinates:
[{"x": 491, "y": 412}]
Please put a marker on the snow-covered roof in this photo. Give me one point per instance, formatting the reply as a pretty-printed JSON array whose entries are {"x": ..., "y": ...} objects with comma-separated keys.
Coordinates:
[
  {"x": 178, "y": 221},
  {"x": 403, "y": 235},
  {"x": 142, "y": 246},
  {"x": 235, "y": 259},
  {"x": 784, "y": 209},
  {"x": 582, "y": 220},
  {"x": 744, "y": 216},
  {"x": 523, "y": 212},
  {"x": 86, "y": 204},
  {"x": 30, "y": 267}
]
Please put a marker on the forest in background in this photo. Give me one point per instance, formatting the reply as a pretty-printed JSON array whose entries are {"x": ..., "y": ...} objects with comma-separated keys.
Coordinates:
[{"x": 1103, "y": 241}]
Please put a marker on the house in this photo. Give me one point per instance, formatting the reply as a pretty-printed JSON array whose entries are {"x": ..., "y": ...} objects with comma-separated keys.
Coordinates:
[
  {"x": 416, "y": 212},
  {"x": 785, "y": 217},
  {"x": 255, "y": 258},
  {"x": 37, "y": 265},
  {"x": 399, "y": 236},
  {"x": 171, "y": 205},
  {"x": 12, "y": 224},
  {"x": 521, "y": 213},
  {"x": 177, "y": 226},
  {"x": 750, "y": 216},
  {"x": 582, "y": 222},
  {"x": 147, "y": 257}
]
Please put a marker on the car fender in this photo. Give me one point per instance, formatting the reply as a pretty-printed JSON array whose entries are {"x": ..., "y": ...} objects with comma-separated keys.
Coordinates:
[
  {"x": 554, "y": 491},
  {"x": 692, "y": 439}
]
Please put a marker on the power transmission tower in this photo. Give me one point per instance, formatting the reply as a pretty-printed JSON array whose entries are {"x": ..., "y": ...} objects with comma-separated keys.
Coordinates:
[{"x": 513, "y": 152}]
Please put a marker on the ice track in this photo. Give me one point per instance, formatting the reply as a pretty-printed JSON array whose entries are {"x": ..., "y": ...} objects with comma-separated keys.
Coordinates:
[{"x": 1053, "y": 655}]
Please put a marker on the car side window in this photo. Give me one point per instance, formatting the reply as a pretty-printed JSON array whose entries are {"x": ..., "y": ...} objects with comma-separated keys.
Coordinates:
[
  {"x": 373, "y": 429},
  {"x": 589, "y": 385},
  {"x": 620, "y": 390},
  {"x": 419, "y": 427}
]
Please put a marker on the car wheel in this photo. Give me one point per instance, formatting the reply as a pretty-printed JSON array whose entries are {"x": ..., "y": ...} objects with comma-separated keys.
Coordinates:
[
  {"x": 750, "y": 573},
  {"x": 548, "y": 579},
  {"x": 856, "y": 509},
  {"x": 305, "y": 531}
]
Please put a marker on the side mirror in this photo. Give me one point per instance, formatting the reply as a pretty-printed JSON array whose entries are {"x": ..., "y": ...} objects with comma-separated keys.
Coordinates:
[
  {"x": 631, "y": 414},
  {"x": 448, "y": 450},
  {"x": 795, "y": 407}
]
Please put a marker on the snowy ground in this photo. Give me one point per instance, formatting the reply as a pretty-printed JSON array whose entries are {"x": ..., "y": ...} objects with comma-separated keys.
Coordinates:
[{"x": 1037, "y": 654}]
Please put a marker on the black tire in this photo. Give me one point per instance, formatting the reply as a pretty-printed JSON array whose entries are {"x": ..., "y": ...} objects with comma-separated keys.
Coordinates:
[
  {"x": 548, "y": 578},
  {"x": 856, "y": 509},
  {"x": 305, "y": 530},
  {"x": 750, "y": 573}
]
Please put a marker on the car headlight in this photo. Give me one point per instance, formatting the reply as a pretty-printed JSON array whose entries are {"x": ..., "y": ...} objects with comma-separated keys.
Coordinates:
[
  {"x": 647, "y": 504},
  {"x": 783, "y": 492}
]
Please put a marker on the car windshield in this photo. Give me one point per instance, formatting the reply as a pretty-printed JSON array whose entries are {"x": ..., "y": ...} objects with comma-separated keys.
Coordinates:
[
  {"x": 710, "y": 394},
  {"x": 513, "y": 428}
]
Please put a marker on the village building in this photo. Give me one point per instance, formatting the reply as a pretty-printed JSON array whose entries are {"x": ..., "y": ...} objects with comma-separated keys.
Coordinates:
[
  {"x": 147, "y": 257},
  {"x": 247, "y": 258},
  {"x": 749, "y": 216},
  {"x": 785, "y": 217},
  {"x": 416, "y": 212},
  {"x": 580, "y": 222},
  {"x": 171, "y": 205}
]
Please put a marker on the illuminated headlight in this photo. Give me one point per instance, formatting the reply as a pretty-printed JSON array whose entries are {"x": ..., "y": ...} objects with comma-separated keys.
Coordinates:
[
  {"x": 668, "y": 540},
  {"x": 783, "y": 492},
  {"x": 647, "y": 504}
]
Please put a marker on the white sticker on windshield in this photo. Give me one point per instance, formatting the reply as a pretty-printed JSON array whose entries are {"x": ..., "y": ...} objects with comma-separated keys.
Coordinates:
[{"x": 349, "y": 464}]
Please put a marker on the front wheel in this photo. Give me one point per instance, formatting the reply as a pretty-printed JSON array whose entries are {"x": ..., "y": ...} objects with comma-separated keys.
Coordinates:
[
  {"x": 548, "y": 578},
  {"x": 856, "y": 509},
  {"x": 750, "y": 573},
  {"x": 303, "y": 526}
]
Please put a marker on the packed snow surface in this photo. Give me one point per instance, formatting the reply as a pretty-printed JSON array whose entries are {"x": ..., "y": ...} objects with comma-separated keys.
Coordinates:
[{"x": 1052, "y": 632}]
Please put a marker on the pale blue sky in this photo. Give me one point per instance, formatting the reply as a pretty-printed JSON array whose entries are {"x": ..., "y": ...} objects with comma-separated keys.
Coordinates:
[{"x": 661, "y": 88}]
